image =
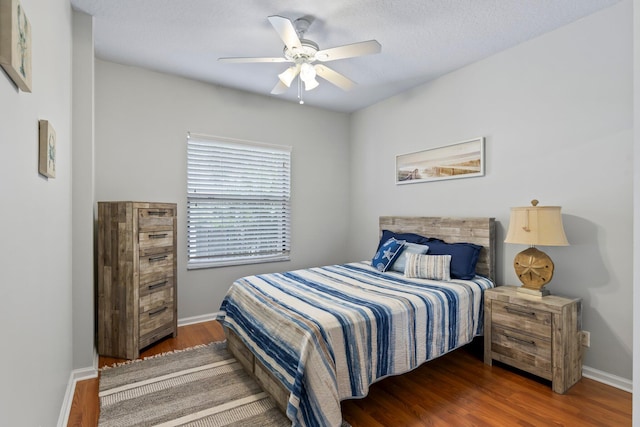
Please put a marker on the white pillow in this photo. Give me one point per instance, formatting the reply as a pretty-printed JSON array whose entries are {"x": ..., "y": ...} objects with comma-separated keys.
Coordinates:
[{"x": 435, "y": 267}]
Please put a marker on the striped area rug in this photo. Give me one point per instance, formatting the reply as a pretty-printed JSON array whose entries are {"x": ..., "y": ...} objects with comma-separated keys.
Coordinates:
[{"x": 203, "y": 387}]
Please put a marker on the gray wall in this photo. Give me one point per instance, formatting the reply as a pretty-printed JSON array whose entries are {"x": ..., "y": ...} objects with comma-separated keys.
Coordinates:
[
  {"x": 83, "y": 191},
  {"x": 142, "y": 119},
  {"x": 35, "y": 225},
  {"x": 636, "y": 212},
  {"x": 557, "y": 116}
]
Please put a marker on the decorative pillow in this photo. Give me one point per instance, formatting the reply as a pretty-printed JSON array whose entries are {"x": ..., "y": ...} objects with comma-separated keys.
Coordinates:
[
  {"x": 413, "y": 248},
  {"x": 407, "y": 237},
  {"x": 435, "y": 267},
  {"x": 464, "y": 257},
  {"x": 387, "y": 254}
]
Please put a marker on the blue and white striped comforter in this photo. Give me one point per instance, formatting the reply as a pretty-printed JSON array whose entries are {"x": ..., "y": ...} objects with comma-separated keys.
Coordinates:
[{"x": 329, "y": 332}]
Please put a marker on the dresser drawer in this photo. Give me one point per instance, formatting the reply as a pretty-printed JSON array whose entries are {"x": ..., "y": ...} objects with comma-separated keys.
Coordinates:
[
  {"x": 156, "y": 299},
  {"x": 156, "y": 318},
  {"x": 156, "y": 265},
  {"x": 155, "y": 335},
  {"x": 153, "y": 242},
  {"x": 154, "y": 219},
  {"x": 155, "y": 283},
  {"x": 521, "y": 318},
  {"x": 524, "y": 351}
]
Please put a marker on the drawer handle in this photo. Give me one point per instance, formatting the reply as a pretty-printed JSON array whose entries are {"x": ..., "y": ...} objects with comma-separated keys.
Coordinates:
[
  {"x": 157, "y": 213},
  {"x": 520, "y": 312},
  {"x": 520, "y": 340},
  {"x": 157, "y": 258},
  {"x": 158, "y": 311},
  {"x": 158, "y": 285},
  {"x": 158, "y": 236}
]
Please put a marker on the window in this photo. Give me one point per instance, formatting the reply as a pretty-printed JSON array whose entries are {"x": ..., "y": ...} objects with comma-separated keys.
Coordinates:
[{"x": 238, "y": 205}]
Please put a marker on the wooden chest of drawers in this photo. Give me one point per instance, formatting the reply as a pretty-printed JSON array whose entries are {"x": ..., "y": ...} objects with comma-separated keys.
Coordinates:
[
  {"x": 537, "y": 335},
  {"x": 137, "y": 279}
]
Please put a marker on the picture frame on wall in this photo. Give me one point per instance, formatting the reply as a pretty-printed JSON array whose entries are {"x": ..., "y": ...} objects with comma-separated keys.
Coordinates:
[
  {"x": 47, "y": 149},
  {"x": 15, "y": 43},
  {"x": 460, "y": 160}
]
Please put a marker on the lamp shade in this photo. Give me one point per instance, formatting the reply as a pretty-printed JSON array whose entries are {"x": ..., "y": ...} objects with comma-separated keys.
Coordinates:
[{"x": 536, "y": 226}]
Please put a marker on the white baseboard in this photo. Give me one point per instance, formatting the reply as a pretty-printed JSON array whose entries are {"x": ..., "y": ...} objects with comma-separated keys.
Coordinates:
[
  {"x": 75, "y": 376},
  {"x": 197, "y": 319},
  {"x": 607, "y": 378}
]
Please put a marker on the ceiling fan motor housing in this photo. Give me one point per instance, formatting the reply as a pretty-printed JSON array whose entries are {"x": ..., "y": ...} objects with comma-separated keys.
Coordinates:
[{"x": 306, "y": 54}]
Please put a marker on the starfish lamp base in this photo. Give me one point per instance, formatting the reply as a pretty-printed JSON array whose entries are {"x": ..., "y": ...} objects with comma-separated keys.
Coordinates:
[{"x": 534, "y": 268}]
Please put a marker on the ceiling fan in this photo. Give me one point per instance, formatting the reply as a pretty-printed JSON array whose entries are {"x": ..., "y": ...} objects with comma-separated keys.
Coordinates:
[{"x": 304, "y": 54}]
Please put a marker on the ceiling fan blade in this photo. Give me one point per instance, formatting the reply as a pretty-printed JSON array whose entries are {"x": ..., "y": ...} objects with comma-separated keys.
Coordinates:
[
  {"x": 279, "y": 88},
  {"x": 334, "y": 77},
  {"x": 242, "y": 60},
  {"x": 349, "y": 51},
  {"x": 286, "y": 31}
]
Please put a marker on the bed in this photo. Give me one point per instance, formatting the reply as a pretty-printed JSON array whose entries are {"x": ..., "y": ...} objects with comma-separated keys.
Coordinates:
[{"x": 317, "y": 336}]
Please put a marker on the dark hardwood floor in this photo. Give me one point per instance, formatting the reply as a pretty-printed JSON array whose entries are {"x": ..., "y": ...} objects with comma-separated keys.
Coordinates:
[{"x": 457, "y": 389}]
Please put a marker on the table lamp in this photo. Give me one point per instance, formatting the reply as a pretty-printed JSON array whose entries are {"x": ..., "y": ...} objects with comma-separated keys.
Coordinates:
[{"x": 535, "y": 226}]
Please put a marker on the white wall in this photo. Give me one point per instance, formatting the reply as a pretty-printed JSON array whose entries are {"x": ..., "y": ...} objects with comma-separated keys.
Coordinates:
[
  {"x": 35, "y": 247},
  {"x": 142, "y": 119},
  {"x": 557, "y": 116}
]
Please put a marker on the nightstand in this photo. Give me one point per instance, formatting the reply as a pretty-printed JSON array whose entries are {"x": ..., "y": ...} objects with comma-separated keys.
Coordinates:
[{"x": 537, "y": 335}]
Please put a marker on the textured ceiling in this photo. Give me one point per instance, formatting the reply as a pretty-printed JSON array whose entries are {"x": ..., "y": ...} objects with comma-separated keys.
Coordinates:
[{"x": 421, "y": 39}]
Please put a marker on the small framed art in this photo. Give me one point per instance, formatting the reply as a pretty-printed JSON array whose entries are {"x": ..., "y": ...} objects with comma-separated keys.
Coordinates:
[
  {"x": 47, "y": 157},
  {"x": 462, "y": 160},
  {"x": 15, "y": 43}
]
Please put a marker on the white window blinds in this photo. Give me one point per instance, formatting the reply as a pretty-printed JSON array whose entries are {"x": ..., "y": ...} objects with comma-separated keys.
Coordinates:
[{"x": 238, "y": 204}]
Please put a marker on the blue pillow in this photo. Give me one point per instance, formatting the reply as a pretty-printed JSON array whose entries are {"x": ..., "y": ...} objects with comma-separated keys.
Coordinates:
[
  {"x": 409, "y": 248},
  {"x": 407, "y": 237},
  {"x": 464, "y": 257},
  {"x": 387, "y": 254}
]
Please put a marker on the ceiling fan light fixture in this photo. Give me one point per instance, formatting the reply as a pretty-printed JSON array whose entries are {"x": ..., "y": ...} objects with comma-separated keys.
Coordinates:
[
  {"x": 288, "y": 75},
  {"x": 307, "y": 72},
  {"x": 310, "y": 84}
]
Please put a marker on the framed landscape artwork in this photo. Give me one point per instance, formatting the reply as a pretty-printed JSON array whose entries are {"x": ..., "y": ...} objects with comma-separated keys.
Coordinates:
[
  {"x": 15, "y": 43},
  {"x": 47, "y": 156},
  {"x": 461, "y": 160}
]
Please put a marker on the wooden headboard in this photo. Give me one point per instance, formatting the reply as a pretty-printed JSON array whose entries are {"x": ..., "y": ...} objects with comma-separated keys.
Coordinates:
[{"x": 481, "y": 231}]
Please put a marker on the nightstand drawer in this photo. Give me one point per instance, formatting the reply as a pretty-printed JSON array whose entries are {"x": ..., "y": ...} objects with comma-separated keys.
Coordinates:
[
  {"x": 521, "y": 318},
  {"x": 523, "y": 351}
]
